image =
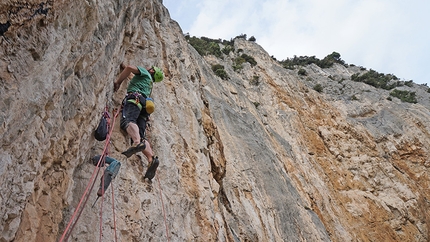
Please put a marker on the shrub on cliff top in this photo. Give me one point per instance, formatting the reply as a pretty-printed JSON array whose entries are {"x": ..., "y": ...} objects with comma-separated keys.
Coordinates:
[
  {"x": 378, "y": 80},
  {"x": 328, "y": 61},
  {"x": 205, "y": 46},
  {"x": 405, "y": 96}
]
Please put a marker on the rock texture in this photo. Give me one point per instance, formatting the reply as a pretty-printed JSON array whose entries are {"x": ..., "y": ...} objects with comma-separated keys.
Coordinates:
[{"x": 240, "y": 161}]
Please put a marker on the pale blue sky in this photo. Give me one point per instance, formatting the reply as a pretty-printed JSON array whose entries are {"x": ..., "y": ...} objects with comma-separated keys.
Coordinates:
[{"x": 388, "y": 36}]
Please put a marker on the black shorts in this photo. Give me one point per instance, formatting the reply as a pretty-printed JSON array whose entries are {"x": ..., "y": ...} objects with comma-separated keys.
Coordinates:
[{"x": 132, "y": 113}]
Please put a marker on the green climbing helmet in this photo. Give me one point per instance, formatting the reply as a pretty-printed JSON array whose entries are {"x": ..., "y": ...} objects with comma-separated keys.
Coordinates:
[{"x": 158, "y": 74}]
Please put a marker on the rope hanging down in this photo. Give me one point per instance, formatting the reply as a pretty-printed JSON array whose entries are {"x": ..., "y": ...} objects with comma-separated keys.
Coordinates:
[
  {"x": 81, "y": 205},
  {"x": 101, "y": 204},
  {"x": 103, "y": 185},
  {"x": 161, "y": 194},
  {"x": 79, "y": 209},
  {"x": 164, "y": 213}
]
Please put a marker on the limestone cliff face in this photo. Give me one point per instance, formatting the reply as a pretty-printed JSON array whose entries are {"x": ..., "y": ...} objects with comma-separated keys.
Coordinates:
[{"x": 240, "y": 161}]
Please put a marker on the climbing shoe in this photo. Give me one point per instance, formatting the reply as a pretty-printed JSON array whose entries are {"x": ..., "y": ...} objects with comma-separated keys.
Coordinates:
[
  {"x": 134, "y": 149},
  {"x": 104, "y": 184},
  {"x": 150, "y": 173},
  {"x": 100, "y": 192}
]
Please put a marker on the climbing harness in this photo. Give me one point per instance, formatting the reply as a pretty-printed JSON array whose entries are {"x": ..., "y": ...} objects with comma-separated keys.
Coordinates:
[
  {"x": 134, "y": 97},
  {"x": 141, "y": 101}
]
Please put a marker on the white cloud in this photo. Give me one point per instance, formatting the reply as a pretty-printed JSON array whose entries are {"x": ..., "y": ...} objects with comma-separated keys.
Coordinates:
[
  {"x": 389, "y": 36},
  {"x": 222, "y": 19}
]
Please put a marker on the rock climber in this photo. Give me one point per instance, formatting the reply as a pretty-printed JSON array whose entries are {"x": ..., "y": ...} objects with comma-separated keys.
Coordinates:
[{"x": 137, "y": 107}]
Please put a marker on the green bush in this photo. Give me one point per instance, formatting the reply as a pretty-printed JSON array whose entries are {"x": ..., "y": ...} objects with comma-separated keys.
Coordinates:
[
  {"x": 318, "y": 88},
  {"x": 409, "y": 83},
  {"x": 328, "y": 61},
  {"x": 219, "y": 71},
  {"x": 302, "y": 72},
  {"x": 241, "y": 36},
  {"x": 291, "y": 63},
  {"x": 205, "y": 46},
  {"x": 217, "y": 66},
  {"x": 249, "y": 59},
  {"x": 238, "y": 61},
  {"x": 227, "y": 49},
  {"x": 405, "y": 96},
  {"x": 378, "y": 80},
  {"x": 228, "y": 42}
]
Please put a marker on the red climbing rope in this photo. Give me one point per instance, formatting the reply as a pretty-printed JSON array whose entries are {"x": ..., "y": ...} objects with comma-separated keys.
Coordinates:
[
  {"x": 85, "y": 196},
  {"x": 113, "y": 210},
  {"x": 103, "y": 185},
  {"x": 101, "y": 211}
]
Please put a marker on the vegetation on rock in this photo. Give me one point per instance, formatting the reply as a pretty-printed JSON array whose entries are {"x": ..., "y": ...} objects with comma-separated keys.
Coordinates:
[
  {"x": 378, "y": 80},
  {"x": 405, "y": 96},
  {"x": 328, "y": 61},
  {"x": 222, "y": 48},
  {"x": 220, "y": 71}
]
